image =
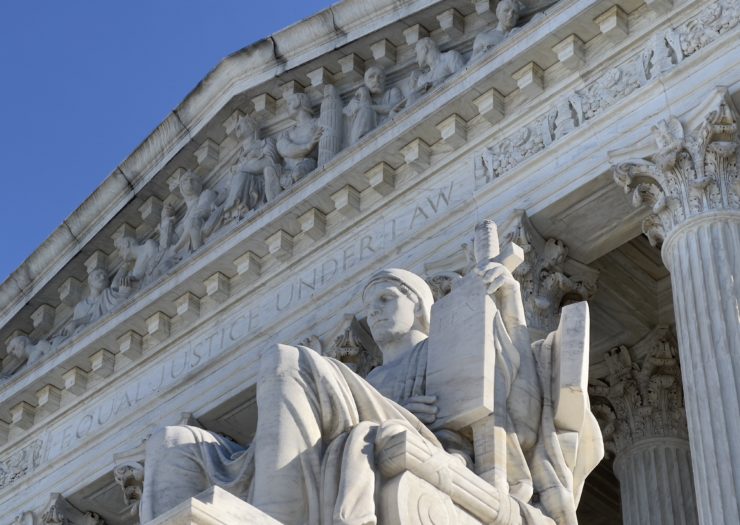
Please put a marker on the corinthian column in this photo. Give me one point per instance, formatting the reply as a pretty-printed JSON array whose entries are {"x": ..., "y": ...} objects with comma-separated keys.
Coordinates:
[
  {"x": 690, "y": 180},
  {"x": 641, "y": 411}
]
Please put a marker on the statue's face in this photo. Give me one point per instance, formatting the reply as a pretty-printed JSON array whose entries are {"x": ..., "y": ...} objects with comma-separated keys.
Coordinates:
[
  {"x": 375, "y": 80},
  {"x": 98, "y": 280},
  {"x": 125, "y": 248},
  {"x": 421, "y": 55},
  {"x": 189, "y": 186},
  {"x": 506, "y": 14},
  {"x": 390, "y": 312},
  {"x": 17, "y": 346},
  {"x": 294, "y": 104}
]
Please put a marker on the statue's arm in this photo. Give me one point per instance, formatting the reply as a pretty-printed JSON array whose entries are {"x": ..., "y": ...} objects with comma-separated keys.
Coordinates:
[
  {"x": 294, "y": 150},
  {"x": 506, "y": 289}
]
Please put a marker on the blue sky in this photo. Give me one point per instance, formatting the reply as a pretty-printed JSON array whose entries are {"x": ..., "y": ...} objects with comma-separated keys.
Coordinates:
[{"x": 83, "y": 82}]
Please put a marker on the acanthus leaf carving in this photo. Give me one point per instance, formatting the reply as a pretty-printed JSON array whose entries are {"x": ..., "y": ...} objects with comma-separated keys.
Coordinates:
[
  {"x": 549, "y": 279},
  {"x": 688, "y": 172},
  {"x": 641, "y": 397},
  {"x": 354, "y": 346}
]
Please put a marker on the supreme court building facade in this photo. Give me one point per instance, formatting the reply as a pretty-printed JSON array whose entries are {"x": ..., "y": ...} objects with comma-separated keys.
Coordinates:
[{"x": 599, "y": 135}]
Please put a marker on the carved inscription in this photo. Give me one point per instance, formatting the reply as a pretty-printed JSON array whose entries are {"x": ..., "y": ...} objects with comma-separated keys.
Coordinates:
[{"x": 231, "y": 331}]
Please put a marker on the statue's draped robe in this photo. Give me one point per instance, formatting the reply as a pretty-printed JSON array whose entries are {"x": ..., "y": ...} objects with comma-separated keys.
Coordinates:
[{"x": 312, "y": 460}]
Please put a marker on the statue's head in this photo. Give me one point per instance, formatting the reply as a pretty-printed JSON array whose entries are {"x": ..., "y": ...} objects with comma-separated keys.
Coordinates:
[
  {"x": 190, "y": 185},
  {"x": 507, "y": 13},
  {"x": 298, "y": 102},
  {"x": 125, "y": 245},
  {"x": 247, "y": 128},
  {"x": 426, "y": 49},
  {"x": 375, "y": 80},
  {"x": 97, "y": 280},
  {"x": 18, "y": 345},
  {"x": 396, "y": 301}
]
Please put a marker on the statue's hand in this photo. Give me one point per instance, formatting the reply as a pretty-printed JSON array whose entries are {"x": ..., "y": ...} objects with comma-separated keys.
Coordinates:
[
  {"x": 423, "y": 407},
  {"x": 498, "y": 278}
]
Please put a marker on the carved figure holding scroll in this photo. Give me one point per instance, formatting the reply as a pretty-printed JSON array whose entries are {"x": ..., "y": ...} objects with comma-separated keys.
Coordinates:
[
  {"x": 255, "y": 175},
  {"x": 201, "y": 213},
  {"x": 434, "y": 67},
  {"x": 297, "y": 143},
  {"x": 317, "y": 454},
  {"x": 372, "y": 104},
  {"x": 507, "y": 14}
]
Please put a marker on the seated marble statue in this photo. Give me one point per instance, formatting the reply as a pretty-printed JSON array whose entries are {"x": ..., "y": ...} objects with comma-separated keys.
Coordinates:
[
  {"x": 20, "y": 352},
  {"x": 101, "y": 299},
  {"x": 202, "y": 213},
  {"x": 254, "y": 176},
  {"x": 434, "y": 67},
  {"x": 312, "y": 460},
  {"x": 507, "y": 14},
  {"x": 297, "y": 144}
]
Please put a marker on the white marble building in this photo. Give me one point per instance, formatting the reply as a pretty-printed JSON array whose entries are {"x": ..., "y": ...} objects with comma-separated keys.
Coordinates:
[{"x": 600, "y": 136}]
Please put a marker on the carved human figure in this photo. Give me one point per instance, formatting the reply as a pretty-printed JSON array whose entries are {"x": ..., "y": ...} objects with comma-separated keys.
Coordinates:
[
  {"x": 434, "y": 67},
  {"x": 372, "y": 104},
  {"x": 21, "y": 351},
  {"x": 254, "y": 176},
  {"x": 507, "y": 14},
  {"x": 101, "y": 299},
  {"x": 313, "y": 456},
  {"x": 297, "y": 143},
  {"x": 201, "y": 213},
  {"x": 361, "y": 114},
  {"x": 139, "y": 260}
]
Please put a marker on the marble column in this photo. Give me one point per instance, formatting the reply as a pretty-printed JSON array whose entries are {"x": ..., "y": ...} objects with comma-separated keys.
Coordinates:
[
  {"x": 641, "y": 410},
  {"x": 689, "y": 178}
]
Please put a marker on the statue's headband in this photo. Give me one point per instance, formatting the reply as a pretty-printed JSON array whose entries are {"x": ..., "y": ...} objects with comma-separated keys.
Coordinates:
[{"x": 412, "y": 281}]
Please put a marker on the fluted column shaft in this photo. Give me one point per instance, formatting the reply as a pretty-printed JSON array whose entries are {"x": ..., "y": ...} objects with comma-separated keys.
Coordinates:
[
  {"x": 656, "y": 483},
  {"x": 703, "y": 257}
]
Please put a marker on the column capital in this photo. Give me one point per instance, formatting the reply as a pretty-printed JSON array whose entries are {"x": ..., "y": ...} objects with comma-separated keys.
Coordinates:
[
  {"x": 641, "y": 398},
  {"x": 687, "y": 169}
]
